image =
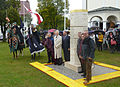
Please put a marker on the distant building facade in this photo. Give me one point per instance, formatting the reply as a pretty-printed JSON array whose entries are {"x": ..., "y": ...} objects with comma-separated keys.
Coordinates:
[
  {"x": 103, "y": 13},
  {"x": 23, "y": 11}
]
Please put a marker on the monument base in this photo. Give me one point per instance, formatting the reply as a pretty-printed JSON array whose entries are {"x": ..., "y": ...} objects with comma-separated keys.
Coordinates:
[{"x": 76, "y": 68}]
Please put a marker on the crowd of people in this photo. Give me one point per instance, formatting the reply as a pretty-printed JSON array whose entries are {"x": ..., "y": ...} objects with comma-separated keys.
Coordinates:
[
  {"x": 107, "y": 40},
  {"x": 16, "y": 40},
  {"x": 56, "y": 42}
]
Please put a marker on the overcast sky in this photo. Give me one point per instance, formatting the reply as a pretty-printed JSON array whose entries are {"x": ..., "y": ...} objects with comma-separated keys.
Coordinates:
[{"x": 74, "y": 4}]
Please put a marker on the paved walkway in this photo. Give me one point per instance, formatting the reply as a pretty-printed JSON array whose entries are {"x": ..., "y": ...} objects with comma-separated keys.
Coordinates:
[{"x": 97, "y": 70}]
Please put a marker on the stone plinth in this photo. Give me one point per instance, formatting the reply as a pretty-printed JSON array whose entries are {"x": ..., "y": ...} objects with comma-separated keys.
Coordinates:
[{"x": 78, "y": 23}]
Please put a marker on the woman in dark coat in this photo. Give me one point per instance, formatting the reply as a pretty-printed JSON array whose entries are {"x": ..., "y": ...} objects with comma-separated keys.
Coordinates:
[
  {"x": 34, "y": 45},
  {"x": 49, "y": 46},
  {"x": 37, "y": 37},
  {"x": 110, "y": 38}
]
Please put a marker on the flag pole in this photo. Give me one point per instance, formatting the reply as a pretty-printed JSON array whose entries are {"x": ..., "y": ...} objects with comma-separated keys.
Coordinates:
[
  {"x": 65, "y": 15},
  {"x": 6, "y": 12},
  {"x": 24, "y": 21}
]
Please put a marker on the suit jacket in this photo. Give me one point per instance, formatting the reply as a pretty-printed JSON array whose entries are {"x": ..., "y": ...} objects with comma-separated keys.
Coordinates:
[
  {"x": 66, "y": 46},
  {"x": 66, "y": 42},
  {"x": 88, "y": 48}
]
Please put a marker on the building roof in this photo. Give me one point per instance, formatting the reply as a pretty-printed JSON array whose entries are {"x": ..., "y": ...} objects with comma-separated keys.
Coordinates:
[
  {"x": 104, "y": 9},
  {"x": 22, "y": 9}
]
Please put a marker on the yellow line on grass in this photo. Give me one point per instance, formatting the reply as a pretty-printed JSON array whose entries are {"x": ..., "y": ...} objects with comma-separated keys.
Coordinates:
[
  {"x": 102, "y": 77},
  {"x": 60, "y": 77},
  {"x": 108, "y": 66},
  {"x": 79, "y": 82}
]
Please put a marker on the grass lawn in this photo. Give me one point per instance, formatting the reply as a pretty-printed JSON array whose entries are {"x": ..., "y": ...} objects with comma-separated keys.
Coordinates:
[{"x": 18, "y": 73}]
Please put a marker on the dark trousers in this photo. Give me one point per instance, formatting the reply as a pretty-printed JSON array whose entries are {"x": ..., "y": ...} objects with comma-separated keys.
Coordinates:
[
  {"x": 112, "y": 47},
  {"x": 66, "y": 55},
  {"x": 50, "y": 56},
  {"x": 87, "y": 69},
  {"x": 118, "y": 47},
  {"x": 99, "y": 46},
  {"x": 33, "y": 56},
  {"x": 82, "y": 64}
]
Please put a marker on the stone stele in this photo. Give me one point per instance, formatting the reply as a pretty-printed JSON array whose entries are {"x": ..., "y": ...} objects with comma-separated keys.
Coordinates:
[{"x": 78, "y": 23}]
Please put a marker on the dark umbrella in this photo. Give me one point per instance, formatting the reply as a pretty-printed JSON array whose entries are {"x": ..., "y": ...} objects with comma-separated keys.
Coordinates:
[
  {"x": 97, "y": 31},
  {"x": 90, "y": 31}
]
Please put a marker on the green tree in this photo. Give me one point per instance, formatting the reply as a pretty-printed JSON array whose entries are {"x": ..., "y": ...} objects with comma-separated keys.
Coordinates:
[
  {"x": 5, "y": 6},
  {"x": 13, "y": 15},
  {"x": 52, "y": 12}
]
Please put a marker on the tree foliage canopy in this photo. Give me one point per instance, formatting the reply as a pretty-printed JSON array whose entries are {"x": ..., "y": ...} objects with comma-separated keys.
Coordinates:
[
  {"x": 9, "y": 8},
  {"x": 52, "y": 12}
]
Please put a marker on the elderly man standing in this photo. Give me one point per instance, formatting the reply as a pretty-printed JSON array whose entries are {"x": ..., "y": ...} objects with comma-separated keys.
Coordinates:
[
  {"x": 58, "y": 48},
  {"x": 79, "y": 50},
  {"x": 87, "y": 54},
  {"x": 66, "y": 46}
]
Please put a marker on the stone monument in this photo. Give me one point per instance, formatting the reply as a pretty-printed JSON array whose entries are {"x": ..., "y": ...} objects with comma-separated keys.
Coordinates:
[{"x": 78, "y": 23}]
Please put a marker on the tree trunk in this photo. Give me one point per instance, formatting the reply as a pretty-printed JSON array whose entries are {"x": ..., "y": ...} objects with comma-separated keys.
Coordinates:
[
  {"x": 1, "y": 27},
  {"x": 4, "y": 33}
]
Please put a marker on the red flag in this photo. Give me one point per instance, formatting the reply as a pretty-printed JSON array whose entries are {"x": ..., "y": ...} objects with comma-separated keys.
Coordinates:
[{"x": 40, "y": 19}]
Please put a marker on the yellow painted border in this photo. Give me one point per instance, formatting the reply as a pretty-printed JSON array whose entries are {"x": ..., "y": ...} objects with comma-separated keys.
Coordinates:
[
  {"x": 108, "y": 66},
  {"x": 103, "y": 77},
  {"x": 79, "y": 82},
  {"x": 78, "y": 10},
  {"x": 60, "y": 77}
]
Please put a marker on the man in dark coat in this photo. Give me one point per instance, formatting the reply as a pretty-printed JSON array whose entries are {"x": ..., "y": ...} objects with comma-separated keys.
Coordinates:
[
  {"x": 79, "y": 50},
  {"x": 88, "y": 50},
  {"x": 66, "y": 46}
]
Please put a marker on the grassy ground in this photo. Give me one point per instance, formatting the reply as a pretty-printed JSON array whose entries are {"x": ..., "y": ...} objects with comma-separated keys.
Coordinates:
[
  {"x": 18, "y": 73},
  {"x": 113, "y": 59}
]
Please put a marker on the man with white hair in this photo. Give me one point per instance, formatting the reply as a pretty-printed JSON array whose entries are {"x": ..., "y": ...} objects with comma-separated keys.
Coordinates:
[{"x": 58, "y": 48}]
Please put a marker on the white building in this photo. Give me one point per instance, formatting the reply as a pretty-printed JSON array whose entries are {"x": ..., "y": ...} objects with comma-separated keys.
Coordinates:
[{"x": 103, "y": 13}]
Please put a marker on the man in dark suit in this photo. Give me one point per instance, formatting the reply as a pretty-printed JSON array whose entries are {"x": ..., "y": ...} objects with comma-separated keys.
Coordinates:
[{"x": 66, "y": 46}]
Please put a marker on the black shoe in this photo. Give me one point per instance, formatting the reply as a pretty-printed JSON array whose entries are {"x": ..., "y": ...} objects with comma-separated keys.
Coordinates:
[
  {"x": 80, "y": 72},
  {"x": 83, "y": 75},
  {"x": 48, "y": 62},
  {"x": 55, "y": 63}
]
